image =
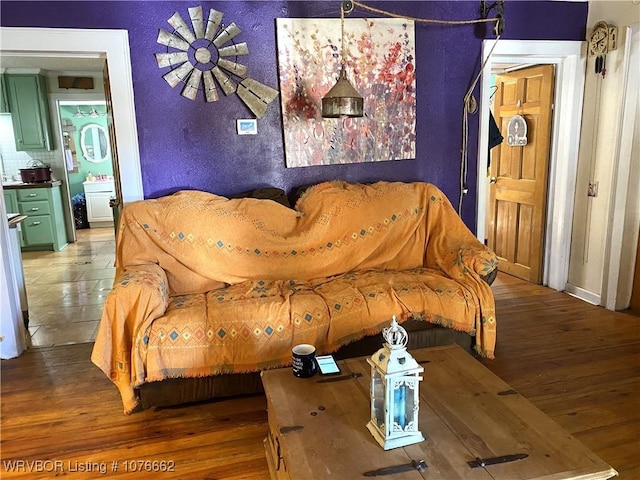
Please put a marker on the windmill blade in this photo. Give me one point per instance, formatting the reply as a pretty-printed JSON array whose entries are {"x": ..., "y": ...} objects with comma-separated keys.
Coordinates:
[
  {"x": 260, "y": 90},
  {"x": 190, "y": 90},
  {"x": 175, "y": 76},
  {"x": 181, "y": 27},
  {"x": 171, "y": 58},
  {"x": 256, "y": 96},
  {"x": 235, "y": 49},
  {"x": 196, "y": 20},
  {"x": 170, "y": 40},
  {"x": 229, "y": 32},
  {"x": 227, "y": 85},
  {"x": 233, "y": 67},
  {"x": 210, "y": 91},
  {"x": 213, "y": 24}
]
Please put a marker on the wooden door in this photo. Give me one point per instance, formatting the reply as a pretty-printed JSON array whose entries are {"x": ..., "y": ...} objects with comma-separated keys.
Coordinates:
[
  {"x": 116, "y": 203},
  {"x": 519, "y": 174}
]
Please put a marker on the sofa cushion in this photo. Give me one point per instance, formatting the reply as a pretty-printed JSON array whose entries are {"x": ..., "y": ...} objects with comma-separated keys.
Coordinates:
[{"x": 252, "y": 325}]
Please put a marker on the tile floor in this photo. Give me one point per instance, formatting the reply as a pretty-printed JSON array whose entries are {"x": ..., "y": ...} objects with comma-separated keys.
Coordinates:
[{"x": 66, "y": 289}]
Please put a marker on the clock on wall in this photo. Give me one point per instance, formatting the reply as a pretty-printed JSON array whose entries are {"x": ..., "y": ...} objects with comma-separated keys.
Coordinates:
[
  {"x": 599, "y": 39},
  {"x": 602, "y": 40},
  {"x": 207, "y": 54}
]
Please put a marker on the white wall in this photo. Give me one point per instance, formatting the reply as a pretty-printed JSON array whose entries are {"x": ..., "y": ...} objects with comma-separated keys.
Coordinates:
[
  {"x": 598, "y": 157},
  {"x": 12, "y": 331}
]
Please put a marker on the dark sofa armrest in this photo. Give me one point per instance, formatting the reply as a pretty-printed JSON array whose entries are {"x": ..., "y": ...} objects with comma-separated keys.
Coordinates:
[{"x": 490, "y": 277}]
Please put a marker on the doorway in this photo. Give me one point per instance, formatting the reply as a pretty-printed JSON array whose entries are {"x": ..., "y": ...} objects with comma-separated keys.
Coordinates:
[
  {"x": 518, "y": 171},
  {"x": 113, "y": 46},
  {"x": 83, "y": 125},
  {"x": 569, "y": 62}
]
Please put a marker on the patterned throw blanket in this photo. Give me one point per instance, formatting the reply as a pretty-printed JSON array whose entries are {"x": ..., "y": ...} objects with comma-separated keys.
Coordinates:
[{"x": 208, "y": 285}]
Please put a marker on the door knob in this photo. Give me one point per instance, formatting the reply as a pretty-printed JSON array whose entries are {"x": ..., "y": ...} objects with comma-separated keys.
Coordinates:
[{"x": 493, "y": 180}]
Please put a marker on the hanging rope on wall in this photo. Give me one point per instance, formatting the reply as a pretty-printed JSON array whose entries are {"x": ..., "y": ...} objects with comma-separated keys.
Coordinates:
[
  {"x": 469, "y": 107},
  {"x": 423, "y": 20}
]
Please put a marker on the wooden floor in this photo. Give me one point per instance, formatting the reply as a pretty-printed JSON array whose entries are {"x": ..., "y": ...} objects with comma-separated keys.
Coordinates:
[{"x": 578, "y": 363}]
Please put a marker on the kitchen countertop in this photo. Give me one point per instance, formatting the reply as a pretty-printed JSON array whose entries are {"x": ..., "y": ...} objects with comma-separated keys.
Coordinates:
[{"x": 18, "y": 185}]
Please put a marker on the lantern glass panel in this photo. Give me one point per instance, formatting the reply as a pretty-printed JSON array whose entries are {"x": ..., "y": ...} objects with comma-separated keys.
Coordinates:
[
  {"x": 404, "y": 399},
  {"x": 400, "y": 404},
  {"x": 377, "y": 386}
]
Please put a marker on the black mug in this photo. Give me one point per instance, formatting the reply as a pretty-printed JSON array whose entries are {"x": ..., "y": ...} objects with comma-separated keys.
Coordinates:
[{"x": 304, "y": 360}]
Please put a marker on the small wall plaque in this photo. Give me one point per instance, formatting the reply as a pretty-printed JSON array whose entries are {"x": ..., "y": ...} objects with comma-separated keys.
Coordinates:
[
  {"x": 247, "y": 126},
  {"x": 517, "y": 131}
]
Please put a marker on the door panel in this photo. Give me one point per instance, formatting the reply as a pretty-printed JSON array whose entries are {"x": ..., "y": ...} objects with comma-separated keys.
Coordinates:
[{"x": 518, "y": 189}]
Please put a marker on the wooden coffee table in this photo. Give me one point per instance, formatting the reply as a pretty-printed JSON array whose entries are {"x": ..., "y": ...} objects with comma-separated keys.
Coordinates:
[{"x": 317, "y": 426}]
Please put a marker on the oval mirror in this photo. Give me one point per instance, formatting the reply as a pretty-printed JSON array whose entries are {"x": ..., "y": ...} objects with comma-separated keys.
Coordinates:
[{"x": 94, "y": 141}]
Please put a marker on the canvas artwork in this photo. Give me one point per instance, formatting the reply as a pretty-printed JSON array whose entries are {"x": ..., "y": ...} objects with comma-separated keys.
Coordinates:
[{"x": 380, "y": 64}]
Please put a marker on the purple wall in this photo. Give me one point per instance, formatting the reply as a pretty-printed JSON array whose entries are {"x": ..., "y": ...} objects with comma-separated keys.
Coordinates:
[{"x": 193, "y": 145}]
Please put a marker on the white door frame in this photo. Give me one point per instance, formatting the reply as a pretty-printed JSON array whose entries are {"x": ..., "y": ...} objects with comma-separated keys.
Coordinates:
[
  {"x": 624, "y": 213},
  {"x": 113, "y": 45},
  {"x": 569, "y": 57}
]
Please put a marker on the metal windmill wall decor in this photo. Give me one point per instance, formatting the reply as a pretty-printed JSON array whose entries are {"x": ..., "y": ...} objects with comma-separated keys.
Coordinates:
[{"x": 198, "y": 56}]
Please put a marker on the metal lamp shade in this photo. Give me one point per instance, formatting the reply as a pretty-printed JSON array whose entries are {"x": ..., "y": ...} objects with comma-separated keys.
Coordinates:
[{"x": 342, "y": 100}]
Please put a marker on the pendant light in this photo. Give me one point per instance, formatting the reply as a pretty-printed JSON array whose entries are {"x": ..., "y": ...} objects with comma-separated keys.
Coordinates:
[
  {"x": 94, "y": 113},
  {"x": 343, "y": 100}
]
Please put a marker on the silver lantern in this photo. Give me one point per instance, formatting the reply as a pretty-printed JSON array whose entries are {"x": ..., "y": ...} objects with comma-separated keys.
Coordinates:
[{"x": 395, "y": 398}]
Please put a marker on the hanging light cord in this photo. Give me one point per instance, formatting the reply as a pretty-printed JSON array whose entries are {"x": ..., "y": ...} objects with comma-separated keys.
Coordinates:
[
  {"x": 343, "y": 57},
  {"x": 420, "y": 20}
]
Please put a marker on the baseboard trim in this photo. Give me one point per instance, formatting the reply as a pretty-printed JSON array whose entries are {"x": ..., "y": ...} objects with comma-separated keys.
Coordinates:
[{"x": 582, "y": 294}]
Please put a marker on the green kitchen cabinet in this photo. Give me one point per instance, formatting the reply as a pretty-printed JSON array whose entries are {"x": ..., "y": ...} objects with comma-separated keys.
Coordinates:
[
  {"x": 4, "y": 98},
  {"x": 10, "y": 201},
  {"x": 29, "y": 111},
  {"x": 44, "y": 227}
]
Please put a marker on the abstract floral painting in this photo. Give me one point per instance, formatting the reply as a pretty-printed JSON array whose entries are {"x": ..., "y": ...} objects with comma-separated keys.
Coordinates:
[{"x": 380, "y": 64}]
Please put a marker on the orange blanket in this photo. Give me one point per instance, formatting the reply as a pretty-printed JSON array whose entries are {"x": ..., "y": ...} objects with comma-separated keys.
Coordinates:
[{"x": 209, "y": 285}]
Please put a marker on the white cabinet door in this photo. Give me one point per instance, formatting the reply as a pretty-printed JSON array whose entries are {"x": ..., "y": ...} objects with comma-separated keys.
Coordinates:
[{"x": 98, "y": 209}]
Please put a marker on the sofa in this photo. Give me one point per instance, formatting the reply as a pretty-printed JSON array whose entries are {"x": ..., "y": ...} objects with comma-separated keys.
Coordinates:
[{"x": 210, "y": 290}]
